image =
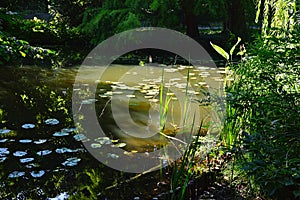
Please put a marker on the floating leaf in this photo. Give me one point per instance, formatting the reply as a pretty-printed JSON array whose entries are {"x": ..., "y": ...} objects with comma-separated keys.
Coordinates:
[
  {"x": 52, "y": 121},
  {"x": 120, "y": 145},
  {"x": 67, "y": 150},
  {"x": 112, "y": 155},
  {"x": 37, "y": 174},
  {"x": 68, "y": 130},
  {"x": 24, "y": 141},
  {"x": 71, "y": 161},
  {"x": 103, "y": 140},
  {"x": 80, "y": 137},
  {"x": 16, "y": 174},
  {"x": 40, "y": 141},
  {"x": 4, "y": 151},
  {"x": 96, "y": 145},
  {"x": 60, "y": 134},
  {"x": 31, "y": 165},
  {"x": 25, "y": 160},
  {"x": 43, "y": 152},
  {"x": 63, "y": 150},
  {"x": 4, "y": 131},
  {"x": 28, "y": 126},
  {"x": 19, "y": 153}
]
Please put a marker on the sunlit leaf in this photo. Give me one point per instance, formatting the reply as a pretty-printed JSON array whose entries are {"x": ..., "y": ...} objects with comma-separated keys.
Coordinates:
[
  {"x": 120, "y": 145},
  {"x": 234, "y": 46},
  {"x": 22, "y": 54},
  {"x": 221, "y": 51}
]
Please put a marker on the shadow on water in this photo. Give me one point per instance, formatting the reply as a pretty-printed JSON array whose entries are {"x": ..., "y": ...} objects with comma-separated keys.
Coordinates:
[{"x": 41, "y": 152}]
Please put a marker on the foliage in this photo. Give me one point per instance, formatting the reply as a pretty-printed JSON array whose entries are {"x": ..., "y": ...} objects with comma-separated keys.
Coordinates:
[
  {"x": 17, "y": 51},
  {"x": 277, "y": 14},
  {"x": 263, "y": 103}
]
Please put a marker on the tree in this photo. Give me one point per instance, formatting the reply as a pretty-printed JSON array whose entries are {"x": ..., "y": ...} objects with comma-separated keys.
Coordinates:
[
  {"x": 277, "y": 14},
  {"x": 236, "y": 19},
  {"x": 190, "y": 18}
]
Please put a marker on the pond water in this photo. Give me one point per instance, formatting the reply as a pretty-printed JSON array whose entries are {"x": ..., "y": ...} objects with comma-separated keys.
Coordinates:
[{"x": 48, "y": 142}]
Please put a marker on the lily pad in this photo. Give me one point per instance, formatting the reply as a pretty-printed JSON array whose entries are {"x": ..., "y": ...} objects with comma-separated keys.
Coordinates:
[
  {"x": 120, "y": 145},
  {"x": 2, "y": 159},
  {"x": 80, "y": 137},
  {"x": 4, "y": 131},
  {"x": 112, "y": 155},
  {"x": 71, "y": 161},
  {"x": 68, "y": 130},
  {"x": 40, "y": 141},
  {"x": 32, "y": 165},
  {"x": 43, "y": 152},
  {"x": 67, "y": 150},
  {"x": 26, "y": 160},
  {"x": 60, "y": 134},
  {"x": 52, "y": 121},
  {"x": 103, "y": 140},
  {"x": 24, "y": 141},
  {"x": 19, "y": 153},
  {"x": 96, "y": 145},
  {"x": 16, "y": 174},
  {"x": 4, "y": 151},
  {"x": 28, "y": 126},
  {"x": 63, "y": 150},
  {"x": 37, "y": 174}
]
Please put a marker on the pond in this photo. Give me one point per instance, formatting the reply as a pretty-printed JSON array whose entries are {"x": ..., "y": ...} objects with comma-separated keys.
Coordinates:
[{"x": 51, "y": 145}]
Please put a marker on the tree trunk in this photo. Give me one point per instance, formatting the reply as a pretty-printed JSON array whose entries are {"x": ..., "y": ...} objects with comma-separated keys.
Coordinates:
[
  {"x": 190, "y": 18},
  {"x": 236, "y": 21}
]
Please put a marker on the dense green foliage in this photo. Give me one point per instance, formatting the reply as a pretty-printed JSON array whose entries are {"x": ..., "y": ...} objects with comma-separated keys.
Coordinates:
[
  {"x": 263, "y": 107},
  {"x": 262, "y": 125}
]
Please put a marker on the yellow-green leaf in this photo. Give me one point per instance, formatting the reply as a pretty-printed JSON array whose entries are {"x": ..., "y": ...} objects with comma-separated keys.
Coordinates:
[
  {"x": 234, "y": 46},
  {"x": 22, "y": 54},
  {"x": 221, "y": 51}
]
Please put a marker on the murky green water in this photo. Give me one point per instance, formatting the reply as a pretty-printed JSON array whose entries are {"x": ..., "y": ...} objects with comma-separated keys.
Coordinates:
[{"x": 43, "y": 154}]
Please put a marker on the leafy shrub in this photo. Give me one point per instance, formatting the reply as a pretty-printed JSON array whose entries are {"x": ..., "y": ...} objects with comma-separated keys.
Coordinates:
[
  {"x": 14, "y": 51},
  {"x": 263, "y": 110}
]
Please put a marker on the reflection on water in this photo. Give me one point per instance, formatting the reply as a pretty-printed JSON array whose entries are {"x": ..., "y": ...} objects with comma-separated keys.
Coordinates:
[{"x": 41, "y": 151}]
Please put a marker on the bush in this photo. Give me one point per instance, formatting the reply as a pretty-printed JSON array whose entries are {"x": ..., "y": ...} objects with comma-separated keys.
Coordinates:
[
  {"x": 14, "y": 51},
  {"x": 263, "y": 110}
]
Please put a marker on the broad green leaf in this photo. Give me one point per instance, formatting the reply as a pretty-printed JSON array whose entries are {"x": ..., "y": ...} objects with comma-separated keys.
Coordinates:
[
  {"x": 234, "y": 46},
  {"x": 221, "y": 51},
  {"x": 22, "y": 54}
]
